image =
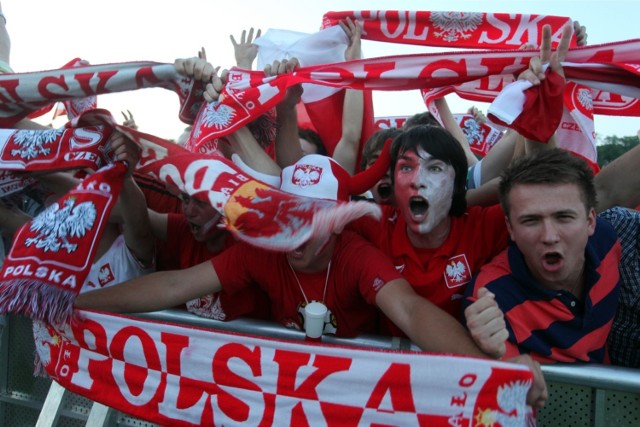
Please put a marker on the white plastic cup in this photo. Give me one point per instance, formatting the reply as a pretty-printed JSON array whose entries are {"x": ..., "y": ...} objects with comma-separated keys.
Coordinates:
[{"x": 314, "y": 315}]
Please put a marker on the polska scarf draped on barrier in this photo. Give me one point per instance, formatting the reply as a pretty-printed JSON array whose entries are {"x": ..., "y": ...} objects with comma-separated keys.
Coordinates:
[{"x": 185, "y": 376}]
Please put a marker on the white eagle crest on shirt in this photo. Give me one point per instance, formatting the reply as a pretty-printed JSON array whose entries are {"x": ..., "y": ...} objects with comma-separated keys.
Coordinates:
[
  {"x": 456, "y": 271},
  {"x": 57, "y": 224},
  {"x": 33, "y": 143},
  {"x": 455, "y": 25}
]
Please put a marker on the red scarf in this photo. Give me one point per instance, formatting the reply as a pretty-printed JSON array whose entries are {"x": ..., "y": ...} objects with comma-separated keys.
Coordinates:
[
  {"x": 21, "y": 94},
  {"x": 493, "y": 31},
  {"x": 249, "y": 94},
  {"x": 186, "y": 376},
  {"x": 51, "y": 255},
  {"x": 254, "y": 212},
  {"x": 476, "y": 30}
]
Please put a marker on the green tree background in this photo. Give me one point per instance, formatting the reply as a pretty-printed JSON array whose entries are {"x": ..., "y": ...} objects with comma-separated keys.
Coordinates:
[{"x": 611, "y": 147}]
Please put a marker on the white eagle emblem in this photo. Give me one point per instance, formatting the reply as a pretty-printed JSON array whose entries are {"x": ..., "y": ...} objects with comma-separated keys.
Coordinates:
[
  {"x": 44, "y": 339},
  {"x": 456, "y": 271},
  {"x": 511, "y": 400},
  {"x": 215, "y": 115},
  {"x": 585, "y": 98},
  {"x": 455, "y": 25},
  {"x": 473, "y": 132},
  {"x": 32, "y": 142},
  {"x": 56, "y": 224},
  {"x": 305, "y": 175}
]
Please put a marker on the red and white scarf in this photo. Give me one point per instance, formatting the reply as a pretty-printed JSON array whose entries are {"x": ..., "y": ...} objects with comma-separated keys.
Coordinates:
[
  {"x": 476, "y": 30},
  {"x": 250, "y": 94},
  {"x": 51, "y": 255},
  {"x": 38, "y": 270},
  {"x": 73, "y": 107},
  {"x": 24, "y": 93},
  {"x": 186, "y": 376},
  {"x": 496, "y": 31}
]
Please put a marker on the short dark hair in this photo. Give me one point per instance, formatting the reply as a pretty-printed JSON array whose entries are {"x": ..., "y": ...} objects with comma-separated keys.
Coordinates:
[
  {"x": 551, "y": 166},
  {"x": 375, "y": 143},
  {"x": 313, "y": 138},
  {"x": 438, "y": 142},
  {"x": 418, "y": 119}
]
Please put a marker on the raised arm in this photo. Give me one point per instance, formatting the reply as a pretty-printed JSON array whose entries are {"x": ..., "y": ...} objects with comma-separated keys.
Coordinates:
[
  {"x": 245, "y": 145},
  {"x": 346, "y": 151},
  {"x": 432, "y": 329},
  {"x": 5, "y": 45},
  {"x": 535, "y": 73},
  {"x": 288, "y": 150},
  {"x": 452, "y": 126},
  {"x": 138, "y": 234},
  {"x": 618, "y": 183}
]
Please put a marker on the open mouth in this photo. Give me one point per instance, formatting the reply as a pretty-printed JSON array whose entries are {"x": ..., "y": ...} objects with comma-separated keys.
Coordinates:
[
  {"x": 552, "y": 261},
  {"x": 384, "y": 191},
  {"x": 552, "y": 258},
  {"x": 195, "y": 228},
  {"x": 298, "y": 252},
  {"x": 418, "y": 206}
]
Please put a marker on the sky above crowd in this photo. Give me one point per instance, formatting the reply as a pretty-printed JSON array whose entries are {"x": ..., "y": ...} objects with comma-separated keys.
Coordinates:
[{"x": 46, "y": 35}]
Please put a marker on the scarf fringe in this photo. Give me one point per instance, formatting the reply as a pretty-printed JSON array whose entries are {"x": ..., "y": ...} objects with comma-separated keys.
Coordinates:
[{"x": 37, "y": 300}]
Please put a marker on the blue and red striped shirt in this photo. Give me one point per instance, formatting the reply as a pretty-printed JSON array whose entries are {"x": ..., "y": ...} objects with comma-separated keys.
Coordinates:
[{"x": 550, "y": 325}]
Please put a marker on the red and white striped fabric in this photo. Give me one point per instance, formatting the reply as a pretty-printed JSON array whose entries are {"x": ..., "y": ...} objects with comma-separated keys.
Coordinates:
[{"x": 187, "y": 376}]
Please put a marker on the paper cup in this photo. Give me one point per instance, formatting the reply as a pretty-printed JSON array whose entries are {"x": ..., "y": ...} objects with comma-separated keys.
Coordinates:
[{"x": 314, "y": 315}]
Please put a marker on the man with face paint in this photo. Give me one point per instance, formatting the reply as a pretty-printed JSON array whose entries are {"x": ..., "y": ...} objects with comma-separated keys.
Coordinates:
[
  {"x": 558, "y": 282},
  {"x": 344, "y": 272},
  {"x": 432, "y": 238}
]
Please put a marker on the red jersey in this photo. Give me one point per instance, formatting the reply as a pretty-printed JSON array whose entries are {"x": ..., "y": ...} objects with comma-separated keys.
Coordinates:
[
  {"x": 183, "y": 251},
  {"x": 440, "y": 274},
  {"x": 357, "y": 271}
]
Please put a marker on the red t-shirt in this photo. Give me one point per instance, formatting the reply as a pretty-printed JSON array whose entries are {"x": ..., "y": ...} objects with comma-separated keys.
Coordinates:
[
  {"x": 440, "y": 274},
  {"x": 358, "y": 270},
  {"x": 183, "y": 251}
]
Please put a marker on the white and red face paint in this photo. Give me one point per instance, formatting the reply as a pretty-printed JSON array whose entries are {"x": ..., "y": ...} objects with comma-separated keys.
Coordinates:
[{"x": 423, "y": 187}]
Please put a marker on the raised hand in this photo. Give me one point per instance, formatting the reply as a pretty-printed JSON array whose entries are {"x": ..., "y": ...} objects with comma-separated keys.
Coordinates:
[
  {"x": 245, "y": 51},
  {"x": 354, "y": 32},
  {"x": 129, "y": 120},
  {"x": 535, "y": 72}
]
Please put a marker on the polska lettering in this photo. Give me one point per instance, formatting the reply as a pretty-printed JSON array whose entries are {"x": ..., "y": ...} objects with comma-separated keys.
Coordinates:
[
  {"x": 32, "y": 271},
  {"x": 452, "y": 29},
  {"x": 237, "y": 379}
]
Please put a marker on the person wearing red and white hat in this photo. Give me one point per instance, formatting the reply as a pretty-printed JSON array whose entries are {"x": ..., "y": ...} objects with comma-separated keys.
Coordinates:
[{"x": 344, "y": 272}]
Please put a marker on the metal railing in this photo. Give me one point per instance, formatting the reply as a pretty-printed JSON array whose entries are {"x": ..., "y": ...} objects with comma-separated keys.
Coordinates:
[{"x": 580, "y": 395}]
